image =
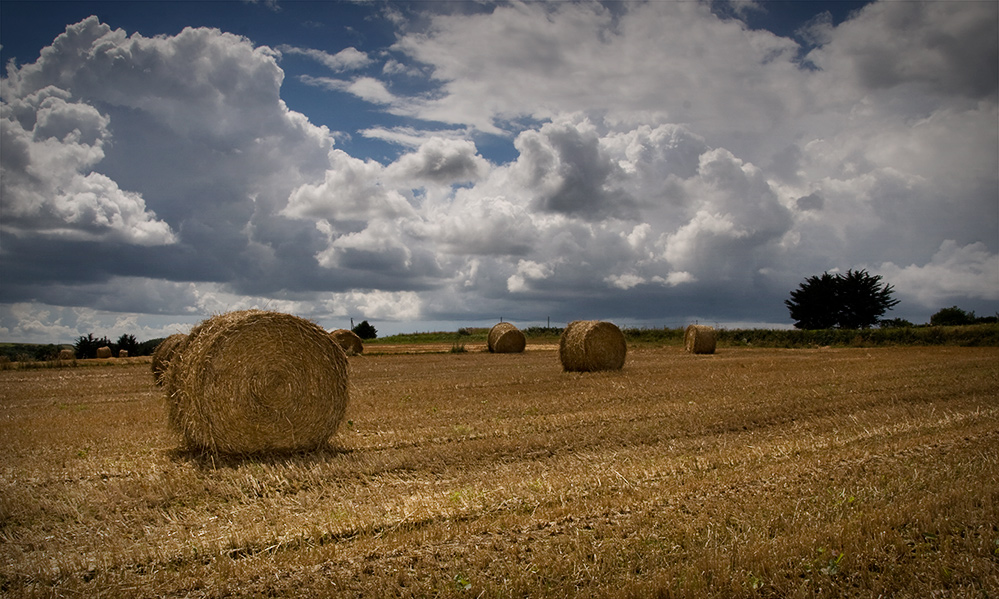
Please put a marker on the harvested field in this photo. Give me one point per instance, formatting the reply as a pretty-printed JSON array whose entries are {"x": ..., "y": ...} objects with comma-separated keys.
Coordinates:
[{"x": 748, "y": 473}]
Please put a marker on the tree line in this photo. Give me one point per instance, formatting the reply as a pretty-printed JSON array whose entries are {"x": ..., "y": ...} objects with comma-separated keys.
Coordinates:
[{"x": 859, "y": 300}]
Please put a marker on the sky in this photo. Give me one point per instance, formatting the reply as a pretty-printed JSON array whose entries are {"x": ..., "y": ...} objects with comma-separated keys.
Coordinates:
[{"x": 434, "y": 165}]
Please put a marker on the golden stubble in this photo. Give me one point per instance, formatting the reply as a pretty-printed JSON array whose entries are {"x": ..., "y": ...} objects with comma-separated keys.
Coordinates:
[{"x": 812, "y": 473}]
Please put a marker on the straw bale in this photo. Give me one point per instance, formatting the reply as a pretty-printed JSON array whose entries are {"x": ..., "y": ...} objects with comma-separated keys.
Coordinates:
[
  {"x": 122, "y": 353},
  {"x": 67, "y": 354},
  {"x": 504, "y": 338},
  {"x": 104, "y": 352},
  {"x": 348, "y": 341},
  {"x": 591, "y": 345},
  {"x": 163, "y": 353},
  {"x": 255, "y": 381},
  {"x": 700, "y": 339}
]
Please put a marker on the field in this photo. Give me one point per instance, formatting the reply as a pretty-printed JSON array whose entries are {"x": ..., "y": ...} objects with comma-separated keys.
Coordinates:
[{"x": 836, "y": 472}]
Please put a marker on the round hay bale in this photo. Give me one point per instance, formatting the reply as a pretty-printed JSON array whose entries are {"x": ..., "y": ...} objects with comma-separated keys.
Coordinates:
[
  {"x": 67, "y": 354},
  {"x": 104, "y": 352},
  {"x": 700, "y": 339},
  {"x": 163, "y": 354},
  {"x": 591, "y": 345},
  {"x": 122, "y": 353},
  {"x": 504, "y": 338},
  {"x": 348, "y": 341},
  {"x": 255, "y": 381}
]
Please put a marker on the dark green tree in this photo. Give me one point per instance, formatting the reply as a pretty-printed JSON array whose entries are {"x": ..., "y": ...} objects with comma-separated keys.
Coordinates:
[
  {"x": 814, "y": 303},
  {"x": 895, "y": 323},
  {"x": 855, "y": 300},
  {"x": 86, "y": 347},
  {"x": 365, "y": 331},
  {"x": 128, "y": 343},
  {"x": 952, "y": 317}
]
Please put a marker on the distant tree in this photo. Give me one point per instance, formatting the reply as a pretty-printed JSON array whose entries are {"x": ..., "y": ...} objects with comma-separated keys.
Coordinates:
[
  {"x": 86, "y": 347},
  {"x": 146, "y": 348},
  {"x": 128, "y": 343},
  {"x": 953, "y": 316},
  {"x": 855, "y": 300},
  {"x": 365, "y": 331},
  {"x": 895, "y": 323},
  {"x": 814, "y": 304}
]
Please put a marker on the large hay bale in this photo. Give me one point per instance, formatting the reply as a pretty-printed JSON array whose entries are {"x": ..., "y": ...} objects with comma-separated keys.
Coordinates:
[
  {"x": 591, "y": 345},
  {"x": 700, "y": 339},
  {"x": 67, "y": 354},
  {"x": 504, "y": 338},
  {"x": 122, "y": 353},
  {"x": 348, "y": 341},
  {"x": 163, "y": 353},
  {"x": 254, "y": 381},
  {"x": 104, "y": 352}
]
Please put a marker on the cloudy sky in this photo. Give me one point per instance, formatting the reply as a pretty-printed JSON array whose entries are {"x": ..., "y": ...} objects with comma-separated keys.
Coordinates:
[{"x": 432, "y": 165}]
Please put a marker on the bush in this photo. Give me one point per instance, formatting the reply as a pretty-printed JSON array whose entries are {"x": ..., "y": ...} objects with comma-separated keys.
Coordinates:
[{"x": 365, "y": 330}]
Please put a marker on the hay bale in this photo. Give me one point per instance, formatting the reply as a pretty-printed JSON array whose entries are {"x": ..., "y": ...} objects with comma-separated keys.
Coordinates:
[
  {"x": 591, "y": 345},
  {"x": 104, "y": 352},
  {"x": 700, "y": 339},
  {"x": 67, "y": 354},
  {"x": 348, "y": 341},
  {"x": 122, "y": 353},
  {"x": 163, "y": 353},
  {"x": 254, "y": 381},
  {"x": 504, "y": 338}
]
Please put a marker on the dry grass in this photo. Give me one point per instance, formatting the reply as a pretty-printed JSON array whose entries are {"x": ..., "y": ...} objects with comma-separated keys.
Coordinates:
[{"x": 751, "y": 473}]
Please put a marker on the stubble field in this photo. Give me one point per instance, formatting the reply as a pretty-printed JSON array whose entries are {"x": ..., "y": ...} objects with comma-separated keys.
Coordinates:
[{"x": 749, "y": 473}]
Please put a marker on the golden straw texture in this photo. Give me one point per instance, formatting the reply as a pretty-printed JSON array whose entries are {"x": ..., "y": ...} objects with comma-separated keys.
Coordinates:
[
  {"x": 699, "y": 339},
  {"x": 163, "y": 353},
  {"x": 348, "y": 341},
  {"x": 591, "y": 345},
  {"x": 504, "y": 338},
  {"x": 256, "y": 381}
]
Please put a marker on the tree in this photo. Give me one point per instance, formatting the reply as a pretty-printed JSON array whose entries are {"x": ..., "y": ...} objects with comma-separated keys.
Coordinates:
[
  {"x": 855, "y": 300},
  {"x": 365, "y": 331},
  {"x": 86, "y": 347},
  {"x": 895, "y": 323},
  {"x": 128, "y": 343},
  {"x": 952, "y": 317},
  {"x": 813, "y": 305}
]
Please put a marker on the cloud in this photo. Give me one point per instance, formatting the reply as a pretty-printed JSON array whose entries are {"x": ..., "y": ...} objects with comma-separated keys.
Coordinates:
[
  {"x": 442, "y": 161},
  {"x": 932, "y": 47},
  {"x": 368, "y": 89},
  {"x": 527, "y": 271},
  {"x": 199, "y": 155},
  {"x": 348, "y": 59},
  {"x": 49, "y": 146},
  {"x": 654, "y": 174},
  {"x": 954, "y": 272},
  {"x": 351, "y": 192},
  {"x": 569, "y": 173},
  {"x": 648, "y": 62}
]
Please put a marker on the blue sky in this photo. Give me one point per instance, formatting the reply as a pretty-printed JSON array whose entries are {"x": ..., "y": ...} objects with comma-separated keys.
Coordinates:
[{"x": 433, "y": 165}]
